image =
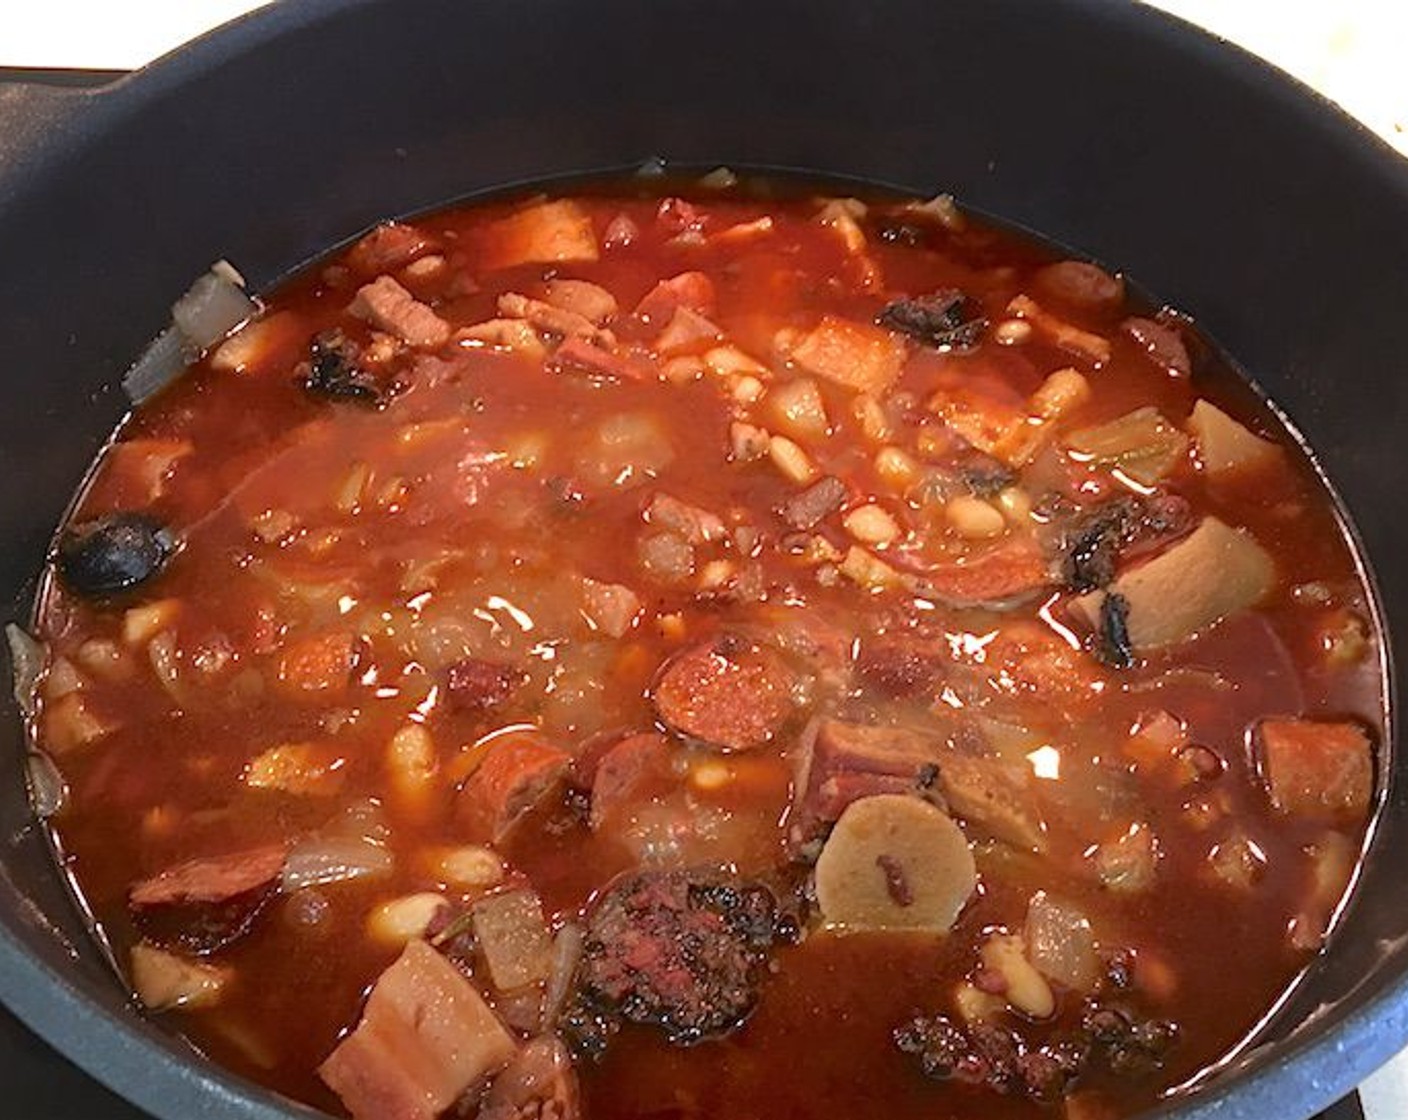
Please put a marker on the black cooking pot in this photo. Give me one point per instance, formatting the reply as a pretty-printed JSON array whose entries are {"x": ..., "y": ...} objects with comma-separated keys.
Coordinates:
[{"x": 1226, "y": 188}]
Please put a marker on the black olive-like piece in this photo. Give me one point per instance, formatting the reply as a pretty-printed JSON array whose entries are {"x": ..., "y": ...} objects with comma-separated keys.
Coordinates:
[
  {"x": 112, "y": 553},
  {"x": 946, "y": 319}
]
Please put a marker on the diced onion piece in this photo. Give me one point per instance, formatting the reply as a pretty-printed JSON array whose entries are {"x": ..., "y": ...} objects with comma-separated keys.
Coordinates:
[
  {"x": 1224, "y": 444},
  {"x": 214, "y": 306},
  {"x": 1060, "y": 942},
  {"x": 796, "y": 408},
  {"x": 334, "y": 859},
  {"x": 1141, "y": 444},
  {"x": 566, "y": 955},
  {"x": 1214, "y": 572},
  {"x": 163, "y": 980},
  {"x": 894, "y": 862},
  {"x": 513, "y": 936},
  {"x": 27, "y": 657},
  {"x": 48, "y": 791}
]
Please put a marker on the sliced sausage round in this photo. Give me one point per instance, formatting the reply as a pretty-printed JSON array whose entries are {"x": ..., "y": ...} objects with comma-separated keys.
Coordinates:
[{"x": 730, "y": 694}]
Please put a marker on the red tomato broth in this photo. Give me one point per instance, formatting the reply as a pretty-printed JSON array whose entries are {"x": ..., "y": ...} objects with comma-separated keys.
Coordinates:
[{"x": 163, "y": 783}]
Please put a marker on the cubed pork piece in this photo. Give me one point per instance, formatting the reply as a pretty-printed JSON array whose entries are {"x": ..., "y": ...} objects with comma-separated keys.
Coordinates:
[
  {"x": 518, "y": 772},
  {"x": 611, "y": 608},
  {"x": 425, "y": 1037},
  {"x": 853, "y": 355},
  {"x": 1317, "y": 768},
  {"x": 386, "y": 305},
  {"x": 696, "y": 525},
  {"x": 582, "y": 297}
]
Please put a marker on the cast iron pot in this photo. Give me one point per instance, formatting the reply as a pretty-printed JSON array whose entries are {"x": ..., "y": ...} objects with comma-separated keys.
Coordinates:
[{"x": 1212, "y": 179}]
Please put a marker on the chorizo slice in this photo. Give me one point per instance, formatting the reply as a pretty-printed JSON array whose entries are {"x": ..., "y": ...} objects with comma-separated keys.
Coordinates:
[{"x": 729, "y": 693}]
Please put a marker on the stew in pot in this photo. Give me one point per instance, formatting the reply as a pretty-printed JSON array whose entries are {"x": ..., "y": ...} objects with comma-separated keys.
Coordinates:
[{"x": 708, "y": 654}]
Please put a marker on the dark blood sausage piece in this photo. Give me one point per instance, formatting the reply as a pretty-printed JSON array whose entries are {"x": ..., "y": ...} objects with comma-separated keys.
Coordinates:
[
  {"x": 390, "y": 246},
  {"x": 1120, "y": 528},
  {"x": 1081, "y": 284},
  {"x": 680, "y": 950},
  {"x": 204, "y": 904},
  {"x": 112, "y": 553},
  {"x": 473, "y": 685},
  {"x": 729, "y": 693},
  {"x": 1114, "y": 647},
  {"x": 946, "y": 319},
  {"x": 1163, "y": 344},
  {"x": 331, "y": 371},
  {"x": 1004, "y": 1062},
  {"x": 518, "y": 772}
]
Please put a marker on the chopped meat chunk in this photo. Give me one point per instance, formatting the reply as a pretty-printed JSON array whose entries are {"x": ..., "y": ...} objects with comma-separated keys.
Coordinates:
[
  {"x": 212, "y": 878},
  {"x": 579, "y": 356},
  {"x": 1011, "y": 572},
  {"x": 696, "y": 525},
  {"x": 549, "y": 232},
  {"x": 582, "y": 297},
  {"x": 691, "y": 290},
  {"x": 390, "y": 246},
  {"x": 853, "y": 355},
  {"x": 728, "y": 693},
  {"x": 389, "y": 307},
  {"x": 611, "y": 608},
  {"x": 682, "y": 950},
  {"x": 1081, "y": 284},
  {"x": 539, "y": 1084},
  {"x": 425, "y": 1037},
  {"x": 636, "y": 768},
  {"x": 472, "y": 684},
  {"x": 205, "y": 904},
  {"x": 945, "y": 320},
  {"x": 319, "y": 666},
  {"x": 807, "y": 509},
  {"x": 550, "y": 318},
  {"x": 518, "y": 772},
  {"x": 1317, "y": 768}
]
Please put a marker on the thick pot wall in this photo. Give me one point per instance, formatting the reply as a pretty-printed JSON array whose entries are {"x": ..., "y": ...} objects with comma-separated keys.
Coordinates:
[{"x": 1210, "y": 178}]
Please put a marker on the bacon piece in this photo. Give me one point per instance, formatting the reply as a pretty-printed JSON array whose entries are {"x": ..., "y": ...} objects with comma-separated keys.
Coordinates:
[
  {"x": 517, "y": 773},
  {"x": 389, "y": 307},
  {"x": 425, "y": 1037},
  {"x": 320, "y": 666}
]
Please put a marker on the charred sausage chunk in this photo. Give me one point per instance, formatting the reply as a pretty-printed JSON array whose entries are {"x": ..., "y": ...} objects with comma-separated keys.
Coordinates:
[
  {"x": 204, "y": 904},
  {"x": 946, "y": 319},
  {"x": 112, "y": 553},
  {"x": 729, "y": 693},
  {"x": 331, "y": 371},
  {"x": 680, "y": 950}
]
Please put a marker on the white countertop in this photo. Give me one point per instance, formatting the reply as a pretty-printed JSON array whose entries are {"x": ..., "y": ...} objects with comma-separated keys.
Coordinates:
[{"x": 1352, "y": 51}]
